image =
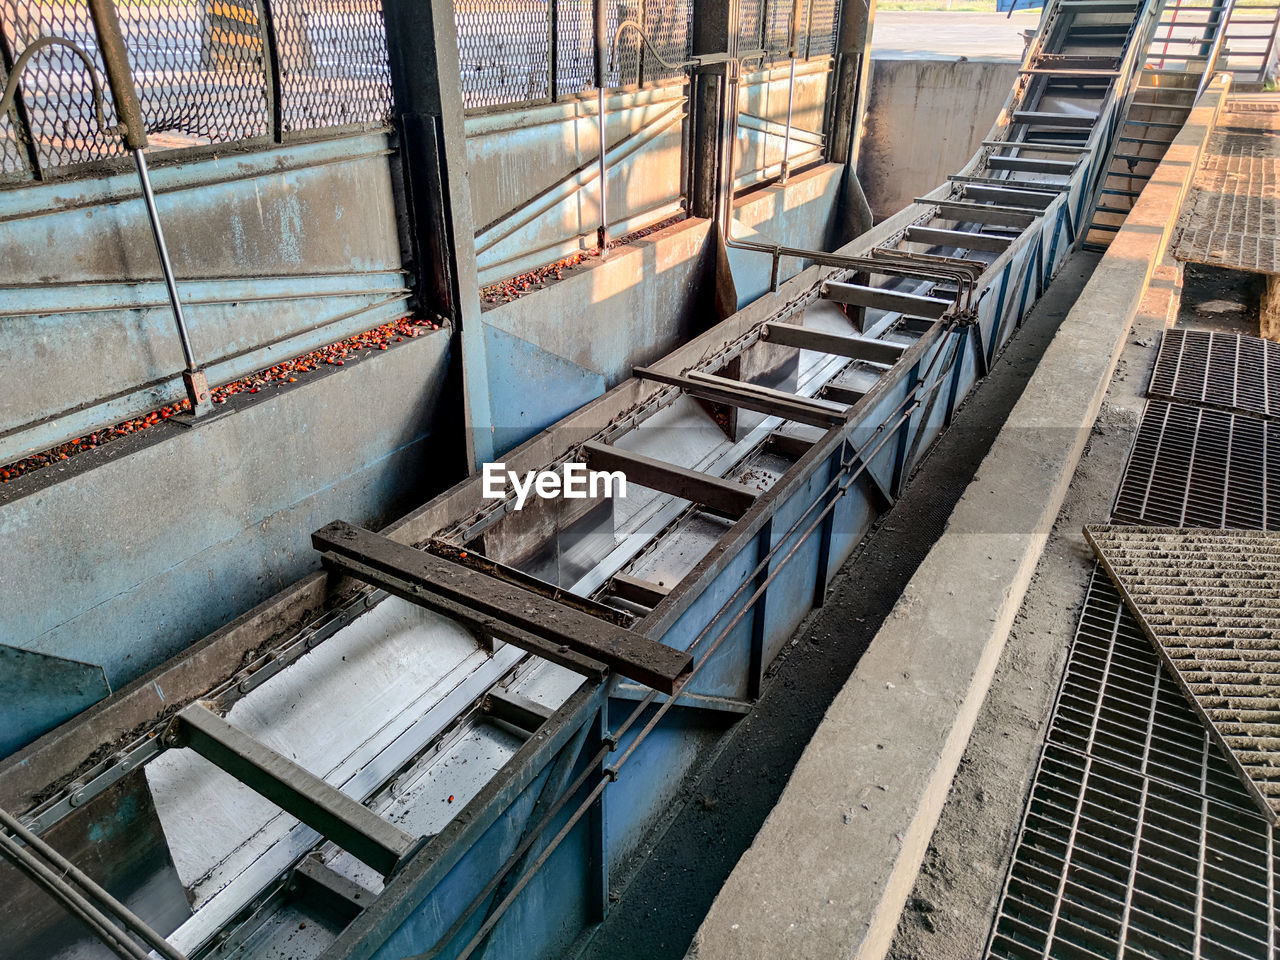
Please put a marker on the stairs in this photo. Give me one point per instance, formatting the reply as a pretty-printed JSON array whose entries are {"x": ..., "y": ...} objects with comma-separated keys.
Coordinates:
[{"x": 1182, "y": 49}]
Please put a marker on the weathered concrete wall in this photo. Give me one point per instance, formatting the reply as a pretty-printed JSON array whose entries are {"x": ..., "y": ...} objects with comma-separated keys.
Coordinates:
[
  {"x": 925, "y": 119},
  {"x": 534, "y": 175},
  {"x": 276, "y": 252},
  {"x": 128, "y": 562},
  {"x": 800, "y": 214},
  {"x": 553, "y": 350}
]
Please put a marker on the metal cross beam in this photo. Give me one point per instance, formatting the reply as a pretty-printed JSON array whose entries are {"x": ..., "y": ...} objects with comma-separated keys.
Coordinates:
[
  {"x": 719, "y": 496},
  {"x": 799, "y": 409},
  {"x": 504, "y": 609},
  {"x": 327, "y": 810},
  {"x": 857, "y": 348}
]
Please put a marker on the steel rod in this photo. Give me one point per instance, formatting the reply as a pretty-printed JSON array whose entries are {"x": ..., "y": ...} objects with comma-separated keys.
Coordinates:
[
  {"x": 162, "y": 250},
  {"x": 602, "y": 234},
  {"x": 131, "y": 920},
  {"x": 75, "y": 903}
]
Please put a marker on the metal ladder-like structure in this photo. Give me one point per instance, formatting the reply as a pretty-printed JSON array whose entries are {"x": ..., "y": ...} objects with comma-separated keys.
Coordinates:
[{"x": 1194, "y": 40}]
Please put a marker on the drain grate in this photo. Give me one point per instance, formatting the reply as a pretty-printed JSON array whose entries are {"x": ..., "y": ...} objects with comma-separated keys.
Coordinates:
[
  {"x": 1201, "y": 467},
  {"x": 1230, "y": 371},
  {"x": 1209, "y": 601},
  {"x": 1138, "y": 840}
]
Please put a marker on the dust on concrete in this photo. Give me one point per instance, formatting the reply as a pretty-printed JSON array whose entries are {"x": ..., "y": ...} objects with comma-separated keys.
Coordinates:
[
  {"x": 663, "y": 898},
  {"x": 951, "y": 908}
]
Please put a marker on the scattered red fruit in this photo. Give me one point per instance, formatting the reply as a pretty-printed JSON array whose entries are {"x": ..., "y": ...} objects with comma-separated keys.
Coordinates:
[{"x": 284, "y": 372}]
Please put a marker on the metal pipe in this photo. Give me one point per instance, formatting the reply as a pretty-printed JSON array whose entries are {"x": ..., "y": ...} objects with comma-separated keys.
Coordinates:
[
  {"x": 162, "y": 250},
  {"x": 80, "y": 908},
  {"x": 602, "y": 233},
  {"x": 115, "y": 57},
  {"x": 794, "y": 39},
  {"x": 131, "y": 920}
]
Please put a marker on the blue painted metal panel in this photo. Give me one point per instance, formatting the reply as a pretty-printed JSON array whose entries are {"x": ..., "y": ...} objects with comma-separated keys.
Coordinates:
[
  {"x": 451, "y": 896},
  {"x": 38, "y": 691},
  {"x": 536, "y": 388}
]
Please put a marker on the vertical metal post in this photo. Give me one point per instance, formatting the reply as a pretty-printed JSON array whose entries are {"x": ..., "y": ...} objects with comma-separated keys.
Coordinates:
[
  {"x": 422, "y": 47},
  {"x": 850, "y": 82},
  {"x": 601, "y": 13},
  {"x": 598, "y": 827},
  {"x": 714, "y": 32},
  {"x": 755, "y": 661},
  {"x": 850, "y": 75},
  {"x": 794, "y": 40},
  {"x": 19, "y": 117},
  {"x": 900, "y": 466},
  {"x": 828, "y": 529},
  {"x": 115, "y": 57}
]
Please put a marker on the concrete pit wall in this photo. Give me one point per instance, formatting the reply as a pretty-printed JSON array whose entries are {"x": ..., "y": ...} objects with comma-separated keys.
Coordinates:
[
  {"x": 161, "y": 541},
  {"x": 550, "y": 351},
  {"x": 925, "y": 119}
]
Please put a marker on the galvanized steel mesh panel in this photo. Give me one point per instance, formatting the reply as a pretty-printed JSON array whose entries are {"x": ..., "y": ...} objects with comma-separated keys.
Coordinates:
[
  {"x": 751, "y": 18},
  {"x": 1210, "y": 602},
  {"x": 333, "y": 63},
  {"x": 766, "y": 25},
  {"x": 1138, "y": 840},
  {"x": 56, "y": 89},
  {"x": 667, "y": 26},
  {"x": 575, "y": 47},
  {"x": 1201, "y": 467},
  {"x": 504, "y": 50},
  {"x": 823, "y": 24},
  {"x": 201, "y": 72},
  {"x": 505, "y": 47},
  {"x": 1226, "y": 370}
]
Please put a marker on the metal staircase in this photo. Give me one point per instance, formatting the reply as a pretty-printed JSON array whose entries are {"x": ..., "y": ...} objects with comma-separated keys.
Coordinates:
[{"x": 1193, "y": 40}]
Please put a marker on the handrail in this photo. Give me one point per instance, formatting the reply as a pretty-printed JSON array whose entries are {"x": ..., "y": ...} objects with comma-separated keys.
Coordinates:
[{"x": 1219, "y": 35}]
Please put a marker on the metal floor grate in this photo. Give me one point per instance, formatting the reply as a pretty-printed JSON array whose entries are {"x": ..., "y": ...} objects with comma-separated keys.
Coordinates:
[
  {"x": 1138, "y": 840},
  {"x": 1209, "y": 601},
  {"x": 1224, "y": 370},
  {"x": 1200, "y": 467}
]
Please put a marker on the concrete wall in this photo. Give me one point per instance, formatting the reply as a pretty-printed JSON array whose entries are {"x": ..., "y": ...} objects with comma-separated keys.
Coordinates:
[
  {"x": 925, "y": 119},
  {"x": 277, "y": 252},
  {"x": 553, "y": 350},
  {"x": 534, "y": 175},
  {"x": 160, "y": 542}
]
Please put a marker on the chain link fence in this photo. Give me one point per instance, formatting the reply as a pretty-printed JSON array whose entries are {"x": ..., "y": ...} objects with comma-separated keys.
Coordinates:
[
  {"x": 538, "y": 51},
  {"x": 206, "y": 72}
]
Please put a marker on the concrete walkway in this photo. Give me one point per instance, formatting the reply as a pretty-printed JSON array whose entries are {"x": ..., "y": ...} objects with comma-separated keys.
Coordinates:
[{"x": 941, "y": 34}]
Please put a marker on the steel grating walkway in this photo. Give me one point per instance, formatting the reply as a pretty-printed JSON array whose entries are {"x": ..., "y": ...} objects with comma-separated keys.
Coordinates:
[
  {"x": 1201, "y": 467},
  {"x": 1209, "y": 601},
  {"x": 1231, "y": 371},
  {"x": 1230, "y": 216},
  {"x": 1138, "y": 839}
]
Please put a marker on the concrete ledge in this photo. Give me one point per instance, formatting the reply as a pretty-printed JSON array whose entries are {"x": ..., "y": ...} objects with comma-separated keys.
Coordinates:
[{"x": 830, "y": 870}]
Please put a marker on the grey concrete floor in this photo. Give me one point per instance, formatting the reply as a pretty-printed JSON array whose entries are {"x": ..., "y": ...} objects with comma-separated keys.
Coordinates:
[
  {"x": 942, "y": 34},
  {"x": 679, "y": 875},
  {"x": 950, "y": 912}
]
